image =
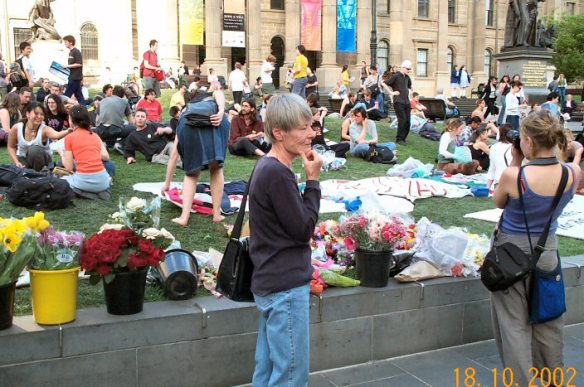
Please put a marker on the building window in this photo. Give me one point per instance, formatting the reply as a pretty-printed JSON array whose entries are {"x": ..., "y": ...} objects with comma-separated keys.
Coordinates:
[
  {"x": 422, "y": 63},
  {"x": 277, "y": 4},
  {"x": 89, "y": 42},
  {"x": 388, "y": 7},
  {"x": 20, "y": 35},
  {"x": 383, "y": 55},
  {"x": 423, "y": 8},
  {"x": 451, "y": 11},
  {"x": 490, "y": 13},
  {"x": 488, "y": 62},
  {"x": 570, "y": 8},
  {"x": 450, "y": 58}
]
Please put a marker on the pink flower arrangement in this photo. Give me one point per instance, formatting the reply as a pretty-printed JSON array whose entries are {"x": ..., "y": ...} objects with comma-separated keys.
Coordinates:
[{"x": 376, "y": 231}]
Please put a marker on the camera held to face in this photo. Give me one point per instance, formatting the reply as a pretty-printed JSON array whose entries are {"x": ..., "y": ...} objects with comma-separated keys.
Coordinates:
[{"x": 514, "y": 138}]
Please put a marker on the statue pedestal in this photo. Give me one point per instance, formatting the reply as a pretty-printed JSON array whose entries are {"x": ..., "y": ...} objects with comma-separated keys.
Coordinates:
[
  {"x": 44, "y": 52},
  {"x": 531, "y": 63}
]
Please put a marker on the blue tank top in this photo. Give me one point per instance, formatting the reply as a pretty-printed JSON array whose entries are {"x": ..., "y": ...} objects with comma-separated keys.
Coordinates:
[{"x": 537, "y": 209}]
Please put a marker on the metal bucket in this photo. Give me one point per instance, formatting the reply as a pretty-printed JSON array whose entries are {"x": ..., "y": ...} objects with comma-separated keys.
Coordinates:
[{"x": 179, "y": 274}]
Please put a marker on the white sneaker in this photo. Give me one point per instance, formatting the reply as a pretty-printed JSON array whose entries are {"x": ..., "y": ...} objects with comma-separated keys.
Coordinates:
[{"x": 118, "y": 148}]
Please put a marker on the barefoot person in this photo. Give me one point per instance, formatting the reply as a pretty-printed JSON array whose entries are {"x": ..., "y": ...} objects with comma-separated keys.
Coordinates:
[
  {"x": 199, "y": 149},
  {"x": 282, "y": 221}
]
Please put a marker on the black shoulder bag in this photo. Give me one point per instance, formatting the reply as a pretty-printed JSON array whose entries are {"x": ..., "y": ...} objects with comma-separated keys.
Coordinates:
[
  {"x": 507, "y": 264},
  {"x": 236, "y": 268}
]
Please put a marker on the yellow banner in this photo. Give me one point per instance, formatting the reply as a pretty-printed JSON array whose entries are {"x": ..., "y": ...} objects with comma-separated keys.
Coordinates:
[{"x": 192, "y": 21}]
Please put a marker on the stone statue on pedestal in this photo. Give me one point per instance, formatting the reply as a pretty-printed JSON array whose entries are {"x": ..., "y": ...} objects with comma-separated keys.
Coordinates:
[
  {"x": 43, "y": 22},
  {"x": 522, "y": 27}
]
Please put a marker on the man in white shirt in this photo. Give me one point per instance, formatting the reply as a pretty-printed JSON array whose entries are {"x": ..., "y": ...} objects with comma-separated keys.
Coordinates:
[
  {"x": 24, "y": 58},
  {"x": 512, "y": 105},
  {"x": 237, "y": 79}
]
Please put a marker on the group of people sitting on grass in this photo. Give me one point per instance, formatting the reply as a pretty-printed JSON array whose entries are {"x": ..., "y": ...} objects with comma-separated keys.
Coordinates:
[{"x": 81, "y": 136}]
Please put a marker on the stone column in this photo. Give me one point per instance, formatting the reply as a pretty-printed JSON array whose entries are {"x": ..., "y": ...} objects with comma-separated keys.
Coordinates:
[
  {"x": 213, "y": 28},
  {"x": 254, "y": 35},
  {"x": 329, "y": 71},
  {"x": 292, "y": 35},
  {"x": 442, "y": 74},
  {"x": 168, "y": 51},
  {"x": 364, "y": 25},
  {"x": 7, "y": 53},
  {"x": 479, "y": 26}
]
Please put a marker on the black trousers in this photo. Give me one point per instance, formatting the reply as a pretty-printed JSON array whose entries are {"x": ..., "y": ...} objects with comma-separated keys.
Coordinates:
[
  {"x": 402, "y": 111},
  {"x": 340, "y": 149},
  {"x": 245, "y": 147},
  {"x": 491, "y": 108},
  {"x": 237, "y": 96}
]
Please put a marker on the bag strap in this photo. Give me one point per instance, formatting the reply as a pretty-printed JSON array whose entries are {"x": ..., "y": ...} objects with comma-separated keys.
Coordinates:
[
  {"x": 236, "y": 232},
  {"x": 539, "y": 248}
]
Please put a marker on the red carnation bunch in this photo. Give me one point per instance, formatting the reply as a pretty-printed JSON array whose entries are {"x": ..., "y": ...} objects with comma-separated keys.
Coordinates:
[{"x": 112, "y": 251}]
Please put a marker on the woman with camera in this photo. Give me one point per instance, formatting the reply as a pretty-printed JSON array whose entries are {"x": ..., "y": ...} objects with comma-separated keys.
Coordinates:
[{"x": 521, "y": 344}]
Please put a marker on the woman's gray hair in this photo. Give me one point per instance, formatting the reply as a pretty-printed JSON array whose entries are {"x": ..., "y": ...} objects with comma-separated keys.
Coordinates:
[{"x": 285, "y": 111}]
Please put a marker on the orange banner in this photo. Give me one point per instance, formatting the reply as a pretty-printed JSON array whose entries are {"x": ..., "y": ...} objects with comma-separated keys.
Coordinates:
[{"x": 311, "y": 21}]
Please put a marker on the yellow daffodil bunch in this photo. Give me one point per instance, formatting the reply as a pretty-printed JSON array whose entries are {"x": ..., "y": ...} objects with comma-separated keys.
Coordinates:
[{"x": 18, "y": 244}]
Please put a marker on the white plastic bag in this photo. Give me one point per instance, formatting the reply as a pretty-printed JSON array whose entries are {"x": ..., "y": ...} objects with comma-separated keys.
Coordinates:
[{"x": 409, "y": 167}]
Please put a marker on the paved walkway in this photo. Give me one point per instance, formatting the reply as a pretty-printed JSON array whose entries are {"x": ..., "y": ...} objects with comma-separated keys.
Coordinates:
[{"x": 436, "y": 368}]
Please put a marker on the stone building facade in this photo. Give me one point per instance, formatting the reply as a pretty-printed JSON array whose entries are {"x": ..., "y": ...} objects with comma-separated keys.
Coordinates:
[{"x": 433, "y": 34}]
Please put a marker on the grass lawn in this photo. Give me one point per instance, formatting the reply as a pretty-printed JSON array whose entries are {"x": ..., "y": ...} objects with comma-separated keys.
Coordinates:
[{"x": 88, "y": 216}]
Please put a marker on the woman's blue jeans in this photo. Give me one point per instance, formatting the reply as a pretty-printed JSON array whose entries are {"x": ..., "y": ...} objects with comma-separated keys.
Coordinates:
[{"x": 283, "y": 348}]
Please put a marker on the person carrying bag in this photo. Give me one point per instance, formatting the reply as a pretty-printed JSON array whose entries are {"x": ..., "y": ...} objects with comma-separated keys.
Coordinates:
[
  {"x": 533, "y": 197},
  {"x": 236, "y": 268}
]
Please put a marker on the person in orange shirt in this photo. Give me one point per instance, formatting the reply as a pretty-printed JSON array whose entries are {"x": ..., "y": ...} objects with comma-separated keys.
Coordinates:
[
  {"x": 85, "y": 154},
  {"x": 299, "y": 70},
  {"x": 151, "y": 105}
]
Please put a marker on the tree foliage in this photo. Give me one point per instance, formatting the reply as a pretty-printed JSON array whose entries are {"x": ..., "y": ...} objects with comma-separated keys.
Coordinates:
[{"x": 569, "y": 45}]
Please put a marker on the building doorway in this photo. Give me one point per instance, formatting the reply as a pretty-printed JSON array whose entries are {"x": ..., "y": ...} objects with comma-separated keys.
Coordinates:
[
  {"x": 277, "y": 49},
  {"x": 314, "y": 59},
  {"x": 237, "y": 55}
]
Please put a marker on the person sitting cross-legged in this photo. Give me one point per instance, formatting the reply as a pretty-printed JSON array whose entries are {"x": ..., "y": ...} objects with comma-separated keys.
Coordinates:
[
  {"x": 247, "y": 132},
  {"x": 363, "y": 133},
  {"x": 85, "y": 155},
  {"x": 148, "y": 139}
]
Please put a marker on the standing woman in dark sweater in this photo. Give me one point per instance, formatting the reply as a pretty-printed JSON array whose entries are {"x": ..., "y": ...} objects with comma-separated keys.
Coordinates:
[{"x": 282, "y": 220}]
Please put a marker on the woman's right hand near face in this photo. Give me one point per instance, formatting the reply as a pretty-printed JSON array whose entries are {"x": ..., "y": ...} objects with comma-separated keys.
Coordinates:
[{"x": 312, "y": 164}]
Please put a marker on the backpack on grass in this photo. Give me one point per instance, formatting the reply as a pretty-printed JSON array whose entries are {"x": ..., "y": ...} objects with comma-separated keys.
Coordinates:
[
  {"x": 380, "y": 154},
  {"x": 40, "y": 193}
]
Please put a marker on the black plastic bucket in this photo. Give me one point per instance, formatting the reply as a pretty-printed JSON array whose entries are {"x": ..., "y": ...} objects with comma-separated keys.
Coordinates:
[
  {"x": 373, "y": 267},
  {"x": 7, "y": 305},
  {"x": 125, "y": 294}
]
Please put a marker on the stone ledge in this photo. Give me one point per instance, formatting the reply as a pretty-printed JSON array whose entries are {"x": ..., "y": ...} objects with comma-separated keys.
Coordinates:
[{"x": 179, "y": 342}]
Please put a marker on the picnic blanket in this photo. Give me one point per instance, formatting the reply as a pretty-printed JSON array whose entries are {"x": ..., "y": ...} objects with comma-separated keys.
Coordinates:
[
  {"x": 389, "y": 194},
  {"x": 410, "y": 189},
  {"x": 570, "y": 223}
]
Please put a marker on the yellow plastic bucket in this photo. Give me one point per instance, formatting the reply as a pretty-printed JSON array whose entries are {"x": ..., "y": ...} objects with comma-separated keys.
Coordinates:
[{"x": 54, "y": 295}]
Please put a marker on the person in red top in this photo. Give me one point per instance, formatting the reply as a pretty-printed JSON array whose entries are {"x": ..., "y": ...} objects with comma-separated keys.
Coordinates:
[
  {"x": 417, "y": 107},
  {"x": 85, "y": 154},
  {"x": 151, "y": 105},
  {"x": 150, "y": 68},
  {"x": 247, "y": 132}
]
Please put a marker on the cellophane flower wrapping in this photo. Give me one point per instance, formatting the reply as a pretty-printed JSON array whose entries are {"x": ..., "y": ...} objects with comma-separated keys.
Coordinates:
[
  {"x": 137, "y": 214},
  {"x": 19, "y": 244},
  {"x": 59, "y": 250},
  {"x": 375, "y": 231}
]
